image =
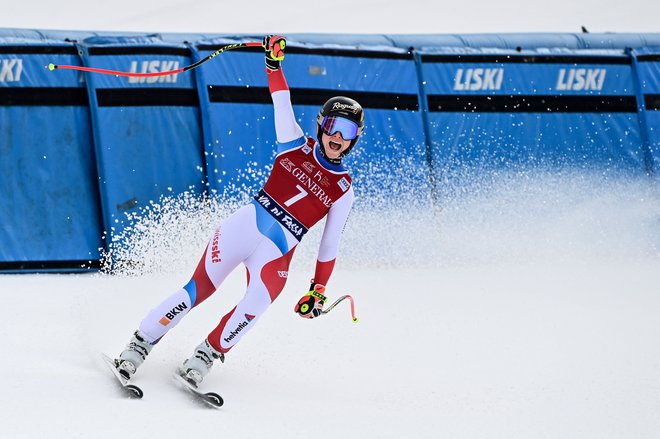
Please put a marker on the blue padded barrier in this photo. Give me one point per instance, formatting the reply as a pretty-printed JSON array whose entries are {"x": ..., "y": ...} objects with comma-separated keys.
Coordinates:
[
  {"x": 77, "y": 156},
  {"x": 49, "y": 205},
  {"x": 647, "y": 64},
  {"x": 510, "y": 110},
  {"x": 147, "y": 131}
]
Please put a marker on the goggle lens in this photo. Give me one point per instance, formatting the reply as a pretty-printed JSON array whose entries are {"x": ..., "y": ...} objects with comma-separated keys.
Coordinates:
[{"x": 347, "y": 128}]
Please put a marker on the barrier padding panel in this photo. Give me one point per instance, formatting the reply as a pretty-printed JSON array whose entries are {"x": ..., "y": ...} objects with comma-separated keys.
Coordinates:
[
  {"x": 510, "y": 110},
  {"x": 147, "y": 131},
  {"x": 647, "y": 62},
  {"x": 50, "y": 211}
]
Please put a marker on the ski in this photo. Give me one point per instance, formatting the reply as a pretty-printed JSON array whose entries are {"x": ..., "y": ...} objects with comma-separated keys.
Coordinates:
[
  {"x": 131, "y": 390},
  {"x": 211, "y": 399}
]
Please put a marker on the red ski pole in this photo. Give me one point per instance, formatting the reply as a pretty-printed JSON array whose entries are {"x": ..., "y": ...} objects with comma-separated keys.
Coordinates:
[{"x": 52, "y": 66}]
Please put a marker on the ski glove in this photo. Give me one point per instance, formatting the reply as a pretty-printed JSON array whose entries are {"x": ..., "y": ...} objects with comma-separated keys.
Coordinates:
[
  {"x": 274, "y": 46},
  {"x": 311, "y": 304}
]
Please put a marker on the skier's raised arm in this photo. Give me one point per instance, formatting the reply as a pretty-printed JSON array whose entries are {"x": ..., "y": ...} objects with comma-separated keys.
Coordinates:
[{"x": 288, "y": 132}]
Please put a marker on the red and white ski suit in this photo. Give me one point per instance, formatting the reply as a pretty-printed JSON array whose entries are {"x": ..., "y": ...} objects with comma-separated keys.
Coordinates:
[{"x": 302, "y": 188}]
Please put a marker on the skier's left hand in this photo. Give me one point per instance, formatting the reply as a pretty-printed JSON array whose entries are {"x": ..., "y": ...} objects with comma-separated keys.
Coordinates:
[{"x": 311, "y": 304}]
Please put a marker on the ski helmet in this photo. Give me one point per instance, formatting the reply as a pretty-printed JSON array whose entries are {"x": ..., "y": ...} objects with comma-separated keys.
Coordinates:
[{"x": 343, "y": 108}]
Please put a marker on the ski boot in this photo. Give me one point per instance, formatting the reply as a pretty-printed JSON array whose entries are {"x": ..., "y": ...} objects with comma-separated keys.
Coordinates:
[
  {"x": 195, "y": 368},
  {"x": 133, "y": 356}
]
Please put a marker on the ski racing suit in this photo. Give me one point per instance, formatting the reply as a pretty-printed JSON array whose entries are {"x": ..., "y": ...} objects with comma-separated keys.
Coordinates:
[{"x": 302, "y": 188}]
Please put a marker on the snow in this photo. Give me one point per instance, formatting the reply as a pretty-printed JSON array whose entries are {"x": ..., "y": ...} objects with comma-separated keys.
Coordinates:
[
  {"x": 520, "y": 351},
  {"x": 525, "y": 311},
  {"x": 520, "y": 317}
]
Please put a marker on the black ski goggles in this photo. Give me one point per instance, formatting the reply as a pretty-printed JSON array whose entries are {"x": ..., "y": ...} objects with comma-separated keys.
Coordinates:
[{"x": 347, "y": 128}]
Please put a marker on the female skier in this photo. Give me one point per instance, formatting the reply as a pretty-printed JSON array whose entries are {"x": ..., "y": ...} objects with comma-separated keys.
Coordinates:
[{"x": 307, "y": 183}]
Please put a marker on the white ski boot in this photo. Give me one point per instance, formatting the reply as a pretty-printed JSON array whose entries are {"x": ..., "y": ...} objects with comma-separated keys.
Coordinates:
[
  {"x": 195, "y": 368},
  {"x": 134, "y": 355}
]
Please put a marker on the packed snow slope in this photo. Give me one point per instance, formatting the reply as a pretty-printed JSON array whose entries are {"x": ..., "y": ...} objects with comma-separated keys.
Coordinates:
[{"x": 528, "y": 309}]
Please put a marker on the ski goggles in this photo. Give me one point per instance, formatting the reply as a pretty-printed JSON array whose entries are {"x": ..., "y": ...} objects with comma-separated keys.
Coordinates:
[{"x": 347, "y": 128}]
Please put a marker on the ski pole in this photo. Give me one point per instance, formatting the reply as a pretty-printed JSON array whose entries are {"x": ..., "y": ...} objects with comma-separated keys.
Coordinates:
[
  {"x": 355, "y": 319},
  {"x": 52, "y": 66}
]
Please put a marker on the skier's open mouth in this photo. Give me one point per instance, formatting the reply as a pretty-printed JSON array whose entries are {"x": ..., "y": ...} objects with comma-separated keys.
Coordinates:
[{"x": 334, "y": 145}]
